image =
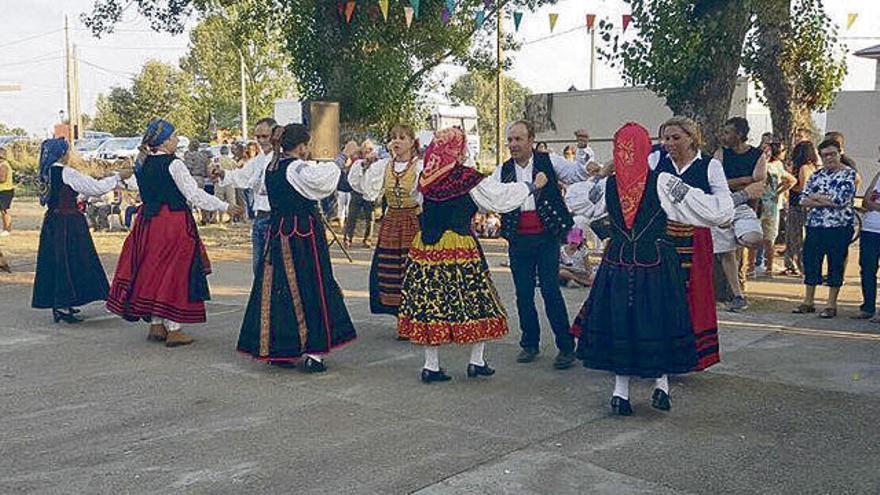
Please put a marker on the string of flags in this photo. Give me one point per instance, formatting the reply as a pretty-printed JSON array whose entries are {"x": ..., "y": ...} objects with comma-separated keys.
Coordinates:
[{"x": 412, "y": 9}]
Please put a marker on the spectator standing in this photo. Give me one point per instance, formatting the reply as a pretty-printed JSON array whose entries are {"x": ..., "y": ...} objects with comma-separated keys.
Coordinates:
[
  {"x": 828, "y": 197},
  {"x": 869, "y": 251},
  {"x": 358, "y": 206},
  {"x": 804, "y": 161},
  {"x": 777, "y": 183},
  {"x": 226, "y": 192},
  {"x": 198, "y": 163},
  {"x": 7, "y": 191}
]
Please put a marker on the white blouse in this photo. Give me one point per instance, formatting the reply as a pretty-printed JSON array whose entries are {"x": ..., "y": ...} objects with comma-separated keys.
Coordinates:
[
  {"x": 314, "y": 180},
  {"x": 85, "y": 185},
  {"x": 251, "y": 176},
  {"x": 371, "y": 182},
  {"x": 682, "y": 203},
  {"x": 493, "y": 195},
  {"x": 188, "y": 187}
]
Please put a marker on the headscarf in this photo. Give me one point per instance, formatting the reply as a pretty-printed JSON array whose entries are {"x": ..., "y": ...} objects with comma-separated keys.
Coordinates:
[
  {"x": 158, "y": 131},
  {"x": 51, "y": 151},
  {"x": 445, "y": 176},
  {"x": 632, "y": 145}
]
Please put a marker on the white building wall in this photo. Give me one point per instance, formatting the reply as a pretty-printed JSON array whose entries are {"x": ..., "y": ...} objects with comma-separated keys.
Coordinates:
[{"x": 857, "y": 115}]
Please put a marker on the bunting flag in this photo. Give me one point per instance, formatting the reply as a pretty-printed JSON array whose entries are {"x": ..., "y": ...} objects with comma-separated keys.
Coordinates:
[
  {"x": 383, "y": 6},
  {"x": 591, "y": 20},
  {"x": 851, "y": 19},
  {"x": 340, "y": 9},
  {"x": 349, "y": 10},
  {"x": 479, "y": 18},
  {"x": 517, "y": 19},
  {"x": 408, "y": 13},
  {"x": 487, "y": 4},
  {"x": 415, "y": 7},
  {"x": 626, "y": 19},
  {"x": 450, "y": 6},
  {"x": 553, "y": 18},
  {"x": 444, "y": 16}
]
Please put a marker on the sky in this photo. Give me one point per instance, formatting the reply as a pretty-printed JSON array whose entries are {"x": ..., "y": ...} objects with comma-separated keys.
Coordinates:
[{"x": 32, "y": 49}]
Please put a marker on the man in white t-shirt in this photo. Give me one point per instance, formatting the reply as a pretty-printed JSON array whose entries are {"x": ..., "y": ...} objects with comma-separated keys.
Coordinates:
[{"x": 869, "y": 251}]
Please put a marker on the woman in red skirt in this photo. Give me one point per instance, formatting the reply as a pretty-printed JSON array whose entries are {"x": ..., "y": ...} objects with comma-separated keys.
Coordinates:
[{"x": 161, "y": 276}]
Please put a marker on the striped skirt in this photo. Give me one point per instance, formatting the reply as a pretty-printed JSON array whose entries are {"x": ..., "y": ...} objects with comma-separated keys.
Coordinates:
[
  {"x": 448, "y": 295},
  {"x": 396, "y": 233}
]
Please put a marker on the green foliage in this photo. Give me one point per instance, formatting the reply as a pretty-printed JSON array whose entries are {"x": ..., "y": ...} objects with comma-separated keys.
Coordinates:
[
  {"x": 374, "y": 69},
  {"x": 159, "y": 90},
  {"x": 217, "y": 45},
  {"x": 478, "y": 89},
  {"x": 11, "y": 131}
]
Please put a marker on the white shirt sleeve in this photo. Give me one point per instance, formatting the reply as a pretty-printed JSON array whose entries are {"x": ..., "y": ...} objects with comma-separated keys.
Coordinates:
[
  {"x": 587, "y": 199},
  {"x": 242, "y": 178},
  {"x": 373, "y": 179},
  {"x": 568, "y": 172},
  {"x": 313, "y": 180},
  {"x": 690, "y": 205},
  {"x": 653, "y": 160},
  {"x": 356, "y": 176},
  {"x": 191, "y": 190},
  {"x": 717, "y": 179},
  {"x": 86, "y": 185},
  {"x": 499, "y": 197}
]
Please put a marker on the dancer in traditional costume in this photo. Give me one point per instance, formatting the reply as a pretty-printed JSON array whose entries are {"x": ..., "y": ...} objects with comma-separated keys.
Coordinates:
[
  {"x": 682, "y": 140},
  {"x": 161, "y": 276},
  {"x": 395, "y": 179},
  {"x": 296, "y": 307},
  {"x": 636, "y": 321},
  {"x": 69, "y": 272},
  {"x": 448, "y": 295}
]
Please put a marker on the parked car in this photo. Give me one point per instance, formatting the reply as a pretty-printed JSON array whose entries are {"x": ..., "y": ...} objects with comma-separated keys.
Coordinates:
[
  {"x": 88, "y": 148},
  {"x": 96, "y": 135},
  {"x": 118, "y": 147}
]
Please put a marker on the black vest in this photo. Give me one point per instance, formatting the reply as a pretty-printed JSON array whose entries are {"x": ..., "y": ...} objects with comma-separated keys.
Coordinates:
[
  {"x": 157, "y": 187},
  {"x": 61, "y": 196},
  {"x": 284, "y": 199},
  {"x": 439, "y": 217},
  {"x": 641, "y": 244},
  {"x": 697, "y": 175},
  {"x": 549, "y": 203}
]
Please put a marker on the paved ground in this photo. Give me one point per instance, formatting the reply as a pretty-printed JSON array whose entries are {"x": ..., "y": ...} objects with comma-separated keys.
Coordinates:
[{"x": 95, "y": 408}]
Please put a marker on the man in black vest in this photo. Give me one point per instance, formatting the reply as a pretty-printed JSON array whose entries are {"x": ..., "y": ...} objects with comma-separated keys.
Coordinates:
[{"x": 534, "y": 234}]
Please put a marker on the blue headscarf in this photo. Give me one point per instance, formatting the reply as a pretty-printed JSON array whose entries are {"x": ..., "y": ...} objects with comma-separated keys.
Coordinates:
[
  {"x": 50, "y": 152},
  {"x": 158, "y": 131}
]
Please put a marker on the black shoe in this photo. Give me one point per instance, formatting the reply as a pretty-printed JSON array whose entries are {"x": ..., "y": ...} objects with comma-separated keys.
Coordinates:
[
  {"x": 660, "y": 400},
  {"x": 474, "y": 371},
  {"x": 564, "y": 360},
  {"x": 429, "y": 376},
  {"x": 70, "y": 318},
  {"x": 314, "y": 366},
  {"x": 73, "y": 311},
  {"x": 621, "y": 406},
  {"x": 527, "y": 355}
]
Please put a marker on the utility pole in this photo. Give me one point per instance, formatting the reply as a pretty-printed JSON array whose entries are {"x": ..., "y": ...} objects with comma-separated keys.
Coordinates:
[
  {"x": 592, "y": 58},
  {"x": 244, "y": 114},
  {"x": 76, "y": 117},
  {"x": 499, "y": 85},
  {"x": 69, "y": 73}
]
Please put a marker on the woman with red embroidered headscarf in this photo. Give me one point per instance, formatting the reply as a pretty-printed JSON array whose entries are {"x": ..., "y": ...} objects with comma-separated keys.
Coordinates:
[
  {"x": 448, "y": 295},
  {"x": 636, "y": 321}
]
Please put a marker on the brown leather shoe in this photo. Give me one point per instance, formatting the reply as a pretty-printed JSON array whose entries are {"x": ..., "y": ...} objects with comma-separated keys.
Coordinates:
[
  {"x": 158, "y": 333},
  {"x": 177, "y": 338}
]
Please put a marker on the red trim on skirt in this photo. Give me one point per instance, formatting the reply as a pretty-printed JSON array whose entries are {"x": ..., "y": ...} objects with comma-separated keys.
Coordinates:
[{"x": 701, "y": 300}]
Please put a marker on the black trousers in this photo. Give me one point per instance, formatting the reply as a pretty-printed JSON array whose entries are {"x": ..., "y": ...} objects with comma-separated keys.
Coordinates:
[
  {"x": 826, "y": 242},
  {"x": 358, "y": 208},
  {"x": 869, "y": 256},
  {"x": 534, "y": 256}
]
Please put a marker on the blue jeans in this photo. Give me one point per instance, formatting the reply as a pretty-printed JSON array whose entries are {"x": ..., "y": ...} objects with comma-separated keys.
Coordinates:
[{"x": 258, "y": 239}]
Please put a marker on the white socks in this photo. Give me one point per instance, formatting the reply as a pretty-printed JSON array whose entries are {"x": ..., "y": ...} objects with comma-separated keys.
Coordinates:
[
  {"x": 171, "y": 326},
  {"x": 477, "y": 354},
  {"x": 432, "y": 358},
  {"x": 662, "y": 383},
  {"x": 319, "y": 359},
  {"x": 621, "y": 386}
]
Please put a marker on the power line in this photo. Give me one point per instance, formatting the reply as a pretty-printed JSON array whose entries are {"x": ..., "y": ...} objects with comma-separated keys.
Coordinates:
[
  {"x": 47, "y": 33},
  {"x": 109, "y": 71},
  {"x": 554, "y": 35},
  {"x": 35, "y": 61},
  {"x": 96, "y": 47}
]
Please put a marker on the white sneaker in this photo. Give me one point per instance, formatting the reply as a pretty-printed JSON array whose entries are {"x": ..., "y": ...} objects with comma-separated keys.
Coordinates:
[{"x": 4, "y": 233}]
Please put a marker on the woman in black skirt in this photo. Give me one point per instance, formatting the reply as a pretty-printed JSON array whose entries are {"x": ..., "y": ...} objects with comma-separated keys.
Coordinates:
[
  {"x": 296, "y": 307},
  {"x": 69, "y": 272},
  {"x": 636, "y": 321}
]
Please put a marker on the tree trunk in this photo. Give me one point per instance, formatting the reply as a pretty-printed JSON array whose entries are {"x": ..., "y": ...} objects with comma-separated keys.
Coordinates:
[{"x": 709, "y": 104}]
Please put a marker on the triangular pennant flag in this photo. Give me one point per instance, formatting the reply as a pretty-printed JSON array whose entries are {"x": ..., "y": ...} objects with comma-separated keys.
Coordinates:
[
  {"x": 479, "y": 18},
  {"x": 415, "y": 7},
  {"x": 349, "y": 10},
  {"x": 517, "y": 19},
  {"x": 591, "y": 20},
  {"x": 340, "y": 9},
  {"x": 383, "y": 6},
  {"x": 487, "y": 4},
  {"x": 626, "y": 19},
  {"x": 553, "y": 18},
  {"x": 450, "y": 6},
  {"x": 850, "y": 19},
  {"x": 444, "y": 16},
  {"x": 408, "y": 13}
]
